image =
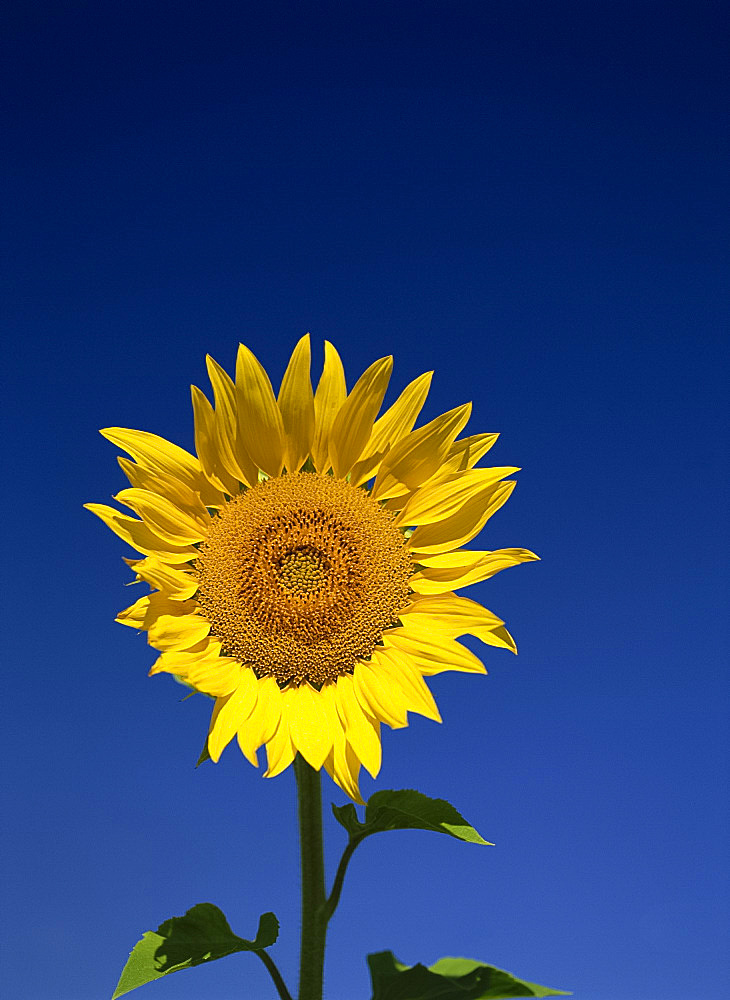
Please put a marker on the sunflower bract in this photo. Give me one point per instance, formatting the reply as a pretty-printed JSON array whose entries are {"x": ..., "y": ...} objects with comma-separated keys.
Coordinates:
[{"x": 303, "y": 566}]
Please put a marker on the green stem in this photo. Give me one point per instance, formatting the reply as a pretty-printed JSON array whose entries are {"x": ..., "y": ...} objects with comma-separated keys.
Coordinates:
[
  {"x": 275, "y": 975},
  {"x": 314, "y": 918},
  {"x": 334, "y": 896}
]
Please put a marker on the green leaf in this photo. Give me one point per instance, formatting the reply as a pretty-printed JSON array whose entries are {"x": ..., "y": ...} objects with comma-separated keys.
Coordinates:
[
  {"x": 406, "y": 810},
  {"x": 204, "y": 755},
  {"x": 202, "y": 935},
  {"x": 448, "y": 979},
  {"x": 347, "y": 816}
]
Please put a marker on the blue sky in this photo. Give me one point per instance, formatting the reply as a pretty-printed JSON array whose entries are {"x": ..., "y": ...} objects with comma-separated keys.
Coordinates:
[{"x": 530, "y": 199}]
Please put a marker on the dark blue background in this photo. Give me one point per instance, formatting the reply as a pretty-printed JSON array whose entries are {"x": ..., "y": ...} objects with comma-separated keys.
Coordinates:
[{"x": 530, "y": 198}]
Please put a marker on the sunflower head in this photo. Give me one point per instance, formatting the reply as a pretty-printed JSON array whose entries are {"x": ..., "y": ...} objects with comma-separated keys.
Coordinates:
[{"x": 303, "y": 564}]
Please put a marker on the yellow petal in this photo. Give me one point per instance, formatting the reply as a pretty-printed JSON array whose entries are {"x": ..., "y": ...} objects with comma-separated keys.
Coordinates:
[
  {"x": 380, "y": 700},
  {"x": 176, "y": 584},
  {"x": 263, "y": 721},
  {"x": 206, "y": 443},
  {"x": 230, "y": 713},
  {"x": 361, "y": 732},
  {"x": 465, "y": 453},
  {"x": 139, "y": 613},
  {"x": 331, "y": 394},
  {"x": 353, "y": 424},
  {"x": 435, "y": 654},
  {"x": 163, "y": 456},
  {"x": 233, "y": 455},
  {"x": 171, "y": 632},
  {"x": 280, "y": 750},
  {"x": 460, "y": 528},
  {"x": 341, "y": 763},
  {"x": 395, "y": 423},
  {"x": 202, "y": 667},
  {"x": 448, "y": 614},
  {"x": 414, "y": 689},
  {"x": 260, "y": 426},
  {"x": 352, "y": 764},
  {"x": 343, "y": 767},
  {"x": 164, "y": 518},
  {"x": 178, "y": 662},
  {"x": 419, "y": 455},
  {"x": 148, "y": 609},
  {"x": 140, "y": 536},
  {"x": 453, "y": 570},
  {"x": 164, "y": 485},
  {"x": 296, "y": 403},
  {"x": 217, "y": 676},
  {"x": 435, "y": 503},
  {"x": 497, "y": 637},
  {"x": 456, "y": 562},
  {"x": 308, "y": 725}
]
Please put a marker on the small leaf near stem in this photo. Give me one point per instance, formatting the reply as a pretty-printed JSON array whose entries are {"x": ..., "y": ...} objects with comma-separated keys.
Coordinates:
[
  {"x": 396, "y": 810},
  {"x": 407, "y": 809}
]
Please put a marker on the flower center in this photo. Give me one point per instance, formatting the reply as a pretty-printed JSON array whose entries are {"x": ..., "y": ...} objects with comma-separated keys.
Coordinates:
[
  {"x": 301, "y": 575},
  {"x": 302, "y": 570}
]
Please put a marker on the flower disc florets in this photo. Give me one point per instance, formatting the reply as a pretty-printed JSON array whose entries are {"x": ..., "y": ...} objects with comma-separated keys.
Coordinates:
[{"x": 301, "y": 575}]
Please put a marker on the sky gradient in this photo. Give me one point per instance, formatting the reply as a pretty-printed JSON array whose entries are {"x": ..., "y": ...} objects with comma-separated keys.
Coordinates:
[{"x": 529, "y": 199}]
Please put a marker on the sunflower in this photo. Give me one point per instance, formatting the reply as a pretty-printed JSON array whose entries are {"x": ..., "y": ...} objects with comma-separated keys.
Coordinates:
[{"x": 303, "y": 566}]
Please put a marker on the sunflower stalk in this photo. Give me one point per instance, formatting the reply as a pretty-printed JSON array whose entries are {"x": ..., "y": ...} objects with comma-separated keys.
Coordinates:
[{"x": 314, "y": 901}]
